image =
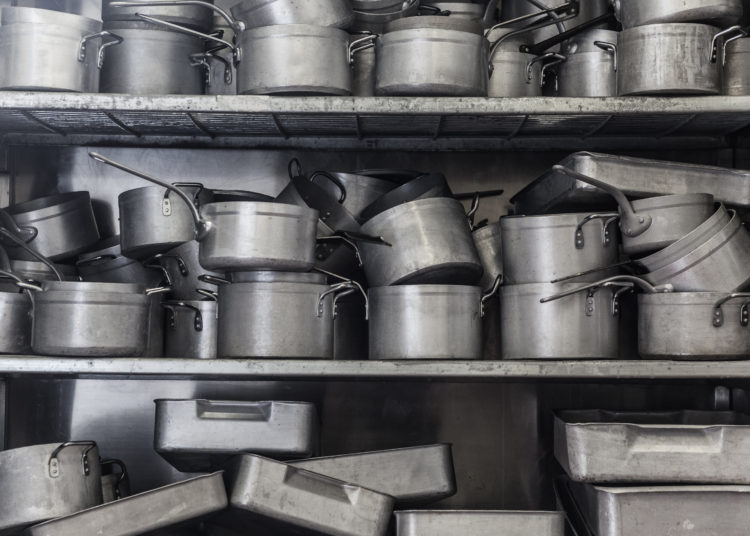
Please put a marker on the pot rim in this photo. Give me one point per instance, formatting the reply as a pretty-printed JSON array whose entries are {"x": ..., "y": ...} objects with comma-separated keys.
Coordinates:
[
  {"x": 707, "y": 299},
  {"x": 294, "y": 30},
  {"x": 93, "y": 287},
  {"x": 41, "y": 205},
  {"x": 425, "y": 290},
  {"x": 410, "y": 207},
  {"x": 59, "y": 19}
]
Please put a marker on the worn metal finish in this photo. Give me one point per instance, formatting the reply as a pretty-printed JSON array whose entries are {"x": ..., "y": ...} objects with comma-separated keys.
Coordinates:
[
  {"x": 88, "y": 8},
  {"x": 15, "y": 322},
  {"x": 684, "y": 447},
  {"x": 266, "y": 494},
  {"x": 479, "y": 523},
  {"x": 315, "y": 61},
  {"x": 107, "y": 265},
  {"x": 411, "y": 475},
  {"x": 633, "y": 13},
  {"x": 115, "y": 483},
  {"x": 587, "y": 74},
  {"x": 202, "y": 435},
  {"x": 430, "y": 241},
  {"x": 48, "y": 481},
  {"x": 361, "y": 190},
  {"x": 539, "y": 249},
  {"x": 350, "y": 328},
  {"x": 183, "y": 268},
  {"x": 363, "y": 69},
  {"x": 510, "y": 75},
  {"x": 489, "y": 243},
  {"x": 256, "y": 13},
  {"x": 431, "y": 61},
  {"x": 170, "y": 505},
  {"x": 425, "y": 322},
  {"x": 170, "y": 69},
  {"x": 678, "y": 57},
  {"x": 580, "y": 326},
  {"x": 191, "y": 329},
  {"x": 737, "y": 68},
  {"x": 191, "y": 16}
]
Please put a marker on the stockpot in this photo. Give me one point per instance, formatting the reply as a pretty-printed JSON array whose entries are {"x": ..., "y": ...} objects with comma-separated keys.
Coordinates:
[
  {"x": 191, "y": 328},
  {"x": 279, "y": 315},
  {"x": 115, "y": 484},
  {"x": 632, "y": 13},
  {"x": 16, "y": 315},
  {"x": 359, "y": 190},
  {"x": 427, "y": 321},
  {"x": 737, "y": 66},
  {"x": 58, "y": 226},
  {"x": 50, "y": 50},
  {"x": 423, "y": 186},
  {"x": 48, "y": 481},
  {"x": 373, "y": 19},
  {"x": 677, "y": 59},
  {"x": 88, "y": 8},
  {"x": 106, "y": 264},
  {"x": 363, "y": 65},
  {"x": 257, "y": 13},
  {"x": 653, "y": 223},
  {"x": 35, "y": 271},
  {"x": 590, "y": 65},
  {"x": 541, "y": 249},
  {"x": 183, "y": 269},
  {"x": 489, "y": 243},
  {"x": 193, "y": 16},
  {"x": 245, "y": 235},
  {"x": 431, "y": 243}
]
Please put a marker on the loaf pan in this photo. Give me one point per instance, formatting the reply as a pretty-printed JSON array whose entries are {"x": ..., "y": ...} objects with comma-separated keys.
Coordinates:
[
  {"x": 636, "y": 177},
  {"x": 163, "y": 507},
  {"x": 413, "y": 475},
  {"x": 271, "y": 497},
  {"x": 201, "y": 435},
  {"x": 705, "y": 447},
  {"x": 479, "y": 523}
]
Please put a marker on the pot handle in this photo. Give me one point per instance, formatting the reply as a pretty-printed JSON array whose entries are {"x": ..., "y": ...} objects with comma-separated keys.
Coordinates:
[
  {"x": 157, "y": 290},
  {"x": 718, "y": 313},
  {"x": 553, "y": 57},
  {"x": 363, "y": 43},
  {"x": 607, "y": 219},
  {"x": 202, "y": 227},
  {"x": 736, "y": 32},
  {"x": 434, "y": 11},
  {"x": 91, "y": 260},
  {"x": 213, "y": 280},
  {"x": 629, "y": 280},
  {"x": 53, "y": 464},
  {"x": 334, "y": 180},
  {"x": 181, "y": 265},
  {"x": 489, "y": 294},
  {"x": 208, "y": 294},
  {"x": 115, "y": 40},
  {"x": 25, "y": 233},
  {"x": 340, "y": 290},
  {"x": 236, "y": 25},
  {"x": 204, "y": 59},
  {"x": 631, "y": 224},
  {"x": 611, "y": 48},
  {"x": 197, "y": 319},
  {"x": 592, "y": 271},
  {"x": 38, "y": 256},
  {"x": 123, "y": 473}
]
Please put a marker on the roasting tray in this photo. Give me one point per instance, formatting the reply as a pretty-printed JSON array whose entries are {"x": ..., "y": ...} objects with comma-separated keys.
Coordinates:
[
  {"x": 271, "y": 497},
  {"x": 663, "y": 510},
  {"x": 413, "y": 475},
  {"x": 163, "y": 507},
  {"x": 703, "y": 447},
  {"x": 479, "y": 523},
  {"x": 636, "y": 177},
  {"x": 201, "y": 435}
]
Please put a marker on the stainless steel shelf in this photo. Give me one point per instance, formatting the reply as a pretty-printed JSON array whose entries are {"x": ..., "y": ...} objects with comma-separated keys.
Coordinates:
[
  {"x": 319, "y": 370},
  {"x": 371, "y": 123}
]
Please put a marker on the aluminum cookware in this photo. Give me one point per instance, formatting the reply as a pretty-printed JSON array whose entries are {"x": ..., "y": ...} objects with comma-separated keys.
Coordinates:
[
  {"x": 539, "y": 249},
  {"x": 191, "y": 329},
  {"x": 183, "y": 267},
  {"x": 115, "y": 483},
  {"x": 219, "y": 69},
  {"x": 58, "y": 226},
  {"x": 721, "y": 263},
  {"x": 431, "y": 244},
  {"x": 479, "y": 523},
  {"x": 36, "y": 271},
  {"x": 651, "y": 224},
  {"x": 350, "y": 328},
  {"x": 256, "y": 13},
  {"x": 48, "y": 481},
  {"x": 173, "y": 66},
  {"x": 91, "y": 9},
  {"x": 373, "y": 19},
  {"x": 242, "y": 235},
  {"x": 106, "y": 264},
  {"x": 681, "y": 60},
  {"x": 633, "y": 13},
  {"x": 590, "y": 65},
  {"x": 489, "y": 243},
  {"x": 426, "y": 321},
  {"x": 411, "y": 475},
  {"x": 189, "y": 500},
  {"x": 424, "y": 186},
  {"x": 50, "y": 50},
  {"x": 436, "y": 23},
  {"x": 737, "y": 67},
  {"x": 16, "y": 314},
  {"x": 359, "y": 190},
  {"x": 485, "y": 12},
  {"x": 271, "y": 497},
  {"x": 363, "y": 65},
  {"x": 188, "y": 15},
  {"x": 200, "y": 435}
]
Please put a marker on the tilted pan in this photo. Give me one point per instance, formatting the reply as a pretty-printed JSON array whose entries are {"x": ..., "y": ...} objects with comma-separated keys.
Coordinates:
[{"x": 422, "y": 187}]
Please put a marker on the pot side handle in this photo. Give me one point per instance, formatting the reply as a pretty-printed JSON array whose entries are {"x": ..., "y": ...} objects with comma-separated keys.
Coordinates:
[
  {"x": 717, "y": 318},
  {"x": 115, "y": 40},
  {"x": 54, "y": 464}
]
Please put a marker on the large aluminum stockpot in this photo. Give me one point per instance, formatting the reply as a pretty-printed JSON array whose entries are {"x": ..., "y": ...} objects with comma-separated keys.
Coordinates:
[
  {"x": 279, "y": 315},
  {"x": 48, "y": 481},
  {"x": 430, "y": 241},
  {"x": 191, "y": 329},
  {"x": 431, "y": 61},
  {"x": 489, "y": 243},
  {"x": 170, "y": 68},
  {"x": 51, "y": 51},
  {"x": 590, "y": 65},
  {"x": 183, "y": 268},
  {"x": 540, "y": 249},
  {"x": 737, "y": 67},
  {"x": 107, "y": 265},
  {"x": 583, "y": 325},
  {"x": 257, "y": 13},
  {"x": 191, "y": 16},
  {"x": 426, "y": 322},
  {"x": 58, "y": 226},
  {"x": 633, "y": 13},
  {"x": 664, "y": 59}
]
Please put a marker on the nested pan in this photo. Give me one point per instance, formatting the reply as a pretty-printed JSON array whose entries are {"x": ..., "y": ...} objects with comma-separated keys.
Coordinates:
[
  {"x": 641, "y": 12},
  {"x": 653, "y": 223},
  {"x": 256, "y": 13},
  {"x": 191, "y": 16},
  {"x": 191, "y": 329}
]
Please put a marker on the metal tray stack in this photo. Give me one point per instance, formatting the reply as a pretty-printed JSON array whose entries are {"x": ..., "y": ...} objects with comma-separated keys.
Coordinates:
[
  {"x": 479, "y": 523},
  {"x": 685, "y": 471}
]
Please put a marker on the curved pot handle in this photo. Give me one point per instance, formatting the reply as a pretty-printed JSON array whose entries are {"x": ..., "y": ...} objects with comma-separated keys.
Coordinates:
[
  {"x": 38, "y": 256},
  {"x": 202, "y": 227},
  {"x": 115, "y": 40},
  {"x": 607, "y": 219},
  {"x": 54, "y": 464},
  {"x": 208, "y": 294},
  {"x": 236, "y": 25},
  {"x": 334, "y": 180},
  {"x": 363, "y": 43},
  {"x": 737, "y": 32},
  {"x": 340, "y": 290},
  {"x": 26, "y": 233},
  {"x": 181, "y": 265},
  {"x": 610, "y": 48},
  {"x": 197, "y": 319},
  {"x": 204, "y": 59},
  {"x": 620, "y": 280},
  {"x": 548, "y": 60},
  {"x": 489, "y": 294},
  {"x": 718, "y": 314},
  {"x": 631, "y": 224},
  {"x": 213, "y": 280},
  {"x": 123, "y": 473}
]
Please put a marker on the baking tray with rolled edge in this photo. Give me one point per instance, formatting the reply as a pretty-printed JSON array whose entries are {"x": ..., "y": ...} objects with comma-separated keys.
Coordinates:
[
  {"x": 479, "y": 523},
  {"x": 271, "y": 497},
  {"x": 411, "y": 475},
  {"x": 653, "y": 510},
  {"x": 636, "y": 177},
  {"x": 189, "y": 500},
  {"x": 703, "y": 447},
  {"x": 201, "y": 435}
]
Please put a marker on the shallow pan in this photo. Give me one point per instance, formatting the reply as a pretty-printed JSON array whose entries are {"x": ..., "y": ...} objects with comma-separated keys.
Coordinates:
[{"x": 479, "y": 523}]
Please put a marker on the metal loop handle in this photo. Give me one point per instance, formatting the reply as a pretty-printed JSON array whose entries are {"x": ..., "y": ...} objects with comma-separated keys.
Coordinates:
[
  {"x": 213, "y": 280},
  {"x": 611, "y": 48},
  {"x": 207, "y": 293},
  {"x": 607, "y": 219},
  {"x": 490, "y": 293},
  {"x": 123, "y": 473},
  {"x": 157, "y": 290},
  {"x": 202, "y": 227},
  {"x": 212, "y": 55},
  {"x": 116, "y": 40},
  {"x": 167, "y": 279},
  {"x": 91, "y": 260},
  {"x": 197, "y": 320},
  {"x": 26, "y": 233},
  {"x": 555, "y": 59},
  {"x": 294, "y": 168},
  {"x": 334, "y": 180},
  {"x": 181, "y": 264},
  {"x": 592, "y": 271},
  {"x": 718, "y": 313},
  {"x": 236, "y": 25},
  {"x": 53, "y": 464},
  {"x": 645, "y": 285},
  {"x": 554, "y": 56},
  {"x": 736, "y": 31},
  {"x": 363, "y": 43},
  {"x": 348, "y": 287},
  {"x": 38, "y": 256}
]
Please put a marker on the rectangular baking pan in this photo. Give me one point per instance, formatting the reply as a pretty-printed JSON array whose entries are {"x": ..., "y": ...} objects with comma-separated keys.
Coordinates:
[
  {"x": 479, "y": 523},
  {"x": 170, "y": 505},
  {"x": 201, "y": 435},
  {"x": 412, "y": 475},
  {"x": 663, "y": 510},
  {"x": 271, "y": 497},
  {"x": 703, "y": 447},
  {"x": 636, "y": 177}
]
